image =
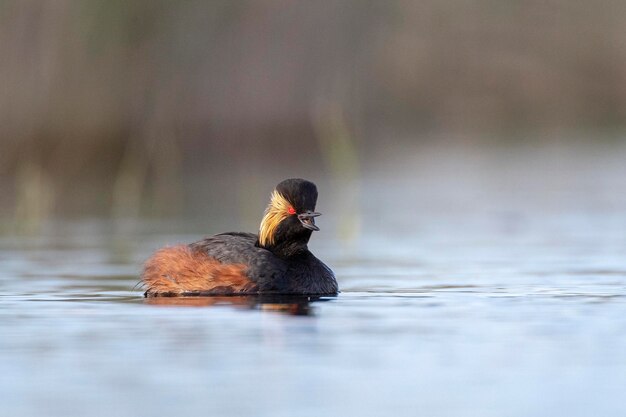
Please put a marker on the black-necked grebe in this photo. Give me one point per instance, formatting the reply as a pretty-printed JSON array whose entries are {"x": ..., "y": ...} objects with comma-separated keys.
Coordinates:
[{"x": 276, "y": 261}]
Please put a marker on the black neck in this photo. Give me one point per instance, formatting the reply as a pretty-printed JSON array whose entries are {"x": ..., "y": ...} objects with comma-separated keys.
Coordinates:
[{"x": 290, "y": 248}]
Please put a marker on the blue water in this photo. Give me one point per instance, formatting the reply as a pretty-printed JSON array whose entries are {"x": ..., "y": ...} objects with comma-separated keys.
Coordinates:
[{"x": 493, "y": 300}]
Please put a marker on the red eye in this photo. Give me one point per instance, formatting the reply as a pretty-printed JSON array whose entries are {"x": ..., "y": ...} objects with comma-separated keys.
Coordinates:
[{"x": 291, "y": 210}]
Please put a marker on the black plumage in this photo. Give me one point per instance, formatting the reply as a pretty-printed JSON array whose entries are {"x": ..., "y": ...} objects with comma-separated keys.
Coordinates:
[{"x": 300, "y": 273}]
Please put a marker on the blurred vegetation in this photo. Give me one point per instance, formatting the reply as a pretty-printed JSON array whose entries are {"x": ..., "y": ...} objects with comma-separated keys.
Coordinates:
[{"x": 155, "y": 107}]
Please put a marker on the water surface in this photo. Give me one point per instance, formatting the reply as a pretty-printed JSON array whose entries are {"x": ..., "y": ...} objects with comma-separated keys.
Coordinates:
[{"x": 507, "y": 306}]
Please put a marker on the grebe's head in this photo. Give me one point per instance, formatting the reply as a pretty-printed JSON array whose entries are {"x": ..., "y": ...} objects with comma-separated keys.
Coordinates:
[{"x": 289, "y": 218}]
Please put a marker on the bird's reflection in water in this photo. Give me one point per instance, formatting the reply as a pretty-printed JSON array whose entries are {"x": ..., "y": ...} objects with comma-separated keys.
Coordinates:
[{"x": 290, "y": 305}]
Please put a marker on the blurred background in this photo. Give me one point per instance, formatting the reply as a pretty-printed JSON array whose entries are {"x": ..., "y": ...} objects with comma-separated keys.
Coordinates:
[
  {"x": 164, "y": 110},
  {"x": 471, "y": 163}
]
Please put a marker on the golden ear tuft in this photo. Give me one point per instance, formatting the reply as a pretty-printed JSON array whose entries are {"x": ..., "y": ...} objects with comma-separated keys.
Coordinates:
[{"x": 276, "y": 212}]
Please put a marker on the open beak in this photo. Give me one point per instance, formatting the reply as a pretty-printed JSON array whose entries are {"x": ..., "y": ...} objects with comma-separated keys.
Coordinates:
[{"x": 308, "y": 219}]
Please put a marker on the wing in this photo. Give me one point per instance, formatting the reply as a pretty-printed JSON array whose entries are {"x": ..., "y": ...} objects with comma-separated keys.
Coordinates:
[{"x": 262, "y": 267}]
